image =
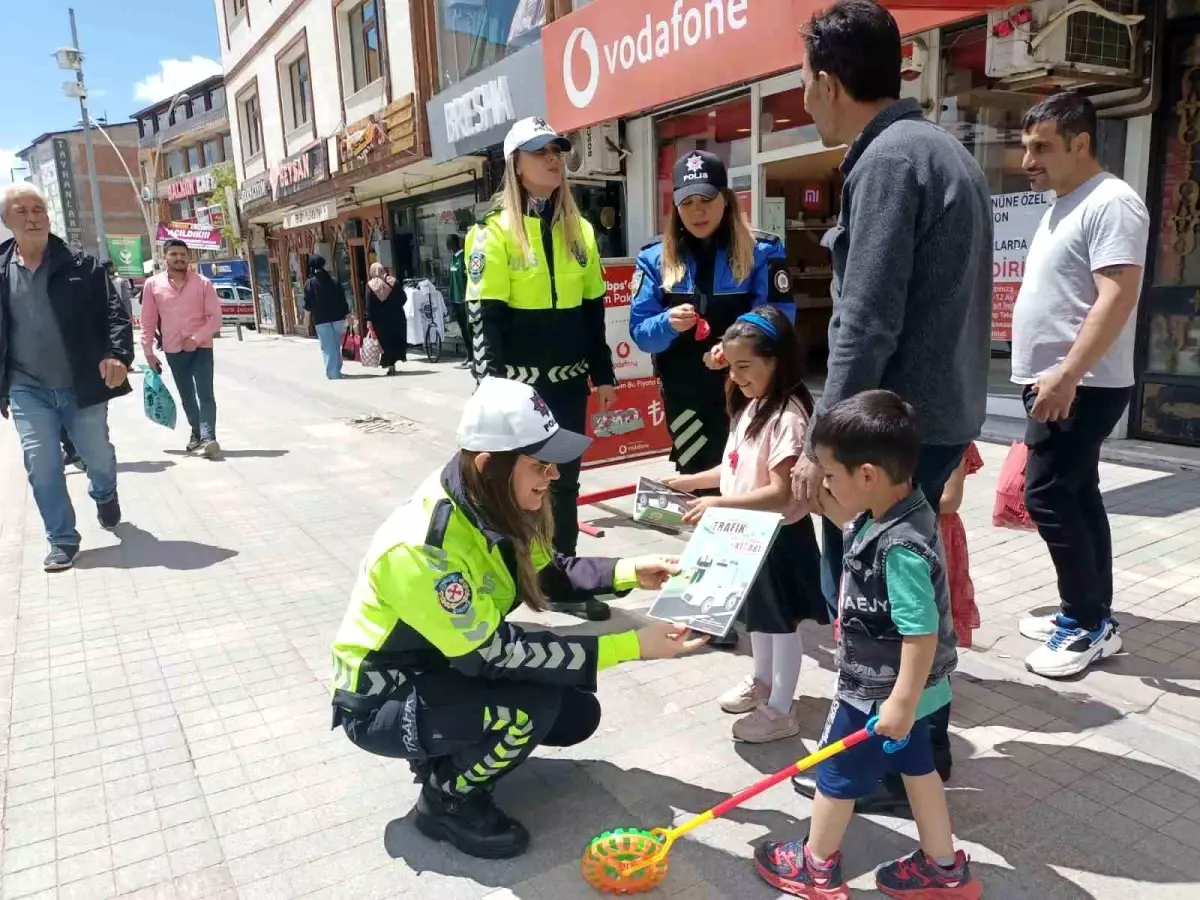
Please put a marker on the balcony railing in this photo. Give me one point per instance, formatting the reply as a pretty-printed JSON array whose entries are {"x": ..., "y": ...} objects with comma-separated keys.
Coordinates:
[{"x": 184, "y": 127}]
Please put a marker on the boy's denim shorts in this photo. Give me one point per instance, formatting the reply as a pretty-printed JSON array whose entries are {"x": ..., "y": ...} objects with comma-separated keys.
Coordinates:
[{"x": 856, "y": 772}]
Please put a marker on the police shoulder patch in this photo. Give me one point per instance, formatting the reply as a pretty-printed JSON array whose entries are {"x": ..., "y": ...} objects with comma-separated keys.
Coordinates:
[
  {"x": 454, "y": 594},
  {"x": 635, "y": 283},
  {"x": 475, "y": 265},
  {"x": 782, "y": 280}
]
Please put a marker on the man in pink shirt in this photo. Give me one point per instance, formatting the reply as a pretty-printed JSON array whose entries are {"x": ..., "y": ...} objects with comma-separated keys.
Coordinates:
[{"x": 184, "y": 304}]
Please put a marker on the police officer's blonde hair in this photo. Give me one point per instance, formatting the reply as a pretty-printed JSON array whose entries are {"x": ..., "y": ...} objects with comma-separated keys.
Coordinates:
[
  {"x": 741, "y": 244},
  {"x": 511, "y": 200}
]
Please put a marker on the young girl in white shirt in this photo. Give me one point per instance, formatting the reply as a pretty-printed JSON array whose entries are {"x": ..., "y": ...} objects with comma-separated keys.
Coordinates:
[{"x": 769, "y": 409}]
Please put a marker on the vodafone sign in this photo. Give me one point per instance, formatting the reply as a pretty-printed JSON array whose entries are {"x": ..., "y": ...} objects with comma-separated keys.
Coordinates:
[{"x": 613, "y": 58}]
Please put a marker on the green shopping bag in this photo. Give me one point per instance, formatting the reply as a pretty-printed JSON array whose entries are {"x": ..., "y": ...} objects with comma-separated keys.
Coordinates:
[{"x": 157, "y": 400}]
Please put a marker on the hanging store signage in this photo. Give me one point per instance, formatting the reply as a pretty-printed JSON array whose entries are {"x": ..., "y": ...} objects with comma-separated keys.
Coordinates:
[
  {"x": 254, "y": 190},
  {"x": 379, "y": 136},
  {"x": 190, "y": 185},
  {"x": 612, "y": 58},
  {"x": 477, "y": 111},
  {"x": 66, "y": 191},
  {"x": 1015, "y": 218},
  {"x": 311, "y": 215},
  {"x": 196, "y": 236},
  {"x": 303, "y": 170}
]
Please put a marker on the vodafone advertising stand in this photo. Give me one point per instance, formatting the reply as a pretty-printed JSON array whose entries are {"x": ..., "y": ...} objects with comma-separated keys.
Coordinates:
[{"x": 636, "y": 426}]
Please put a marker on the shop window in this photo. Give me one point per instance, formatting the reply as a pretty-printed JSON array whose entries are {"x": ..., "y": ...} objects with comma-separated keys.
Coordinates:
[
  {"x": 364, "y": 45},
  {"x": 603, "y": 205},
  {"x": 341, "y": 272},
  {"x": 723, "y": 129},
  {"x": 434, "y": 223},
  {"x": 474, "y": 35},
  {"x": 181, "y": 211},
  {"x": 784, "y": 122}
]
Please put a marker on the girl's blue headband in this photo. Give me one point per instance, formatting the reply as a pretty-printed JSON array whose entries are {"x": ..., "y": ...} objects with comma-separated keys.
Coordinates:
[{"x": 761, "y": 322}]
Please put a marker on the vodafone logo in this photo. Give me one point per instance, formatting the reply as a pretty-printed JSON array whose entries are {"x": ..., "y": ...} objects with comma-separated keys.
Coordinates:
[
  {"x": 688, "y": 25},
  {"x": 586, "y": 42}
]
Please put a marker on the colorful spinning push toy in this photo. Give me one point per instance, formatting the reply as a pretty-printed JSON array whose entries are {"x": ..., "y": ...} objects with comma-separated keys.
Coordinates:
[{"x": 633, "y": 860}]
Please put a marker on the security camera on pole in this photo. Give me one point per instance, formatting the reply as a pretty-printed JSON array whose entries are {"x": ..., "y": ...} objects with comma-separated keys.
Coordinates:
[{"x": 71, "y": 59}]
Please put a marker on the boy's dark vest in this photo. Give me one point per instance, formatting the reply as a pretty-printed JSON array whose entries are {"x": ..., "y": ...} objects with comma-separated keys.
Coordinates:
[{"x": 868, "y": 654}]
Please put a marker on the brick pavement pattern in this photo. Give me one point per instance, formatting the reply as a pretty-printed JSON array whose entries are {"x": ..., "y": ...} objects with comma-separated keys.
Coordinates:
[{"x": 164, "y": 715}]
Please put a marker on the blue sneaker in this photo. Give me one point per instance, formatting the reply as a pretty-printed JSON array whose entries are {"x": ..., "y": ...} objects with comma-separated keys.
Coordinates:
[
  {"x": 786, "y": 867},
  {"x": 1071, "y": 649}
]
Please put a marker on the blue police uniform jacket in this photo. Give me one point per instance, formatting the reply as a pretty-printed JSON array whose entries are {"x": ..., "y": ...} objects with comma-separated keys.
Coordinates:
[{"x": 649, "y": 326}]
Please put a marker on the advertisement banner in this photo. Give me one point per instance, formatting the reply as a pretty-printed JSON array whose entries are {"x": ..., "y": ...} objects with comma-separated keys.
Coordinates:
[
  {"x": 125, "y": 251},
  {"x": 636, "y": 426},
  {"x": 197, "y": 237},
  {"x": 1015, "y": 218}
]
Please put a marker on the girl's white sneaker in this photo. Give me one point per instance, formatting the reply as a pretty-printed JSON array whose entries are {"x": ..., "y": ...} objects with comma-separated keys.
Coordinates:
[
  {"x": 765, "y": 725},
  {"x": 748, "y": 694}
]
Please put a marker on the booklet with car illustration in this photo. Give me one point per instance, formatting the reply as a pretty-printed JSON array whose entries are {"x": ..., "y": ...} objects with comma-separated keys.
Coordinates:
[
  {"x": 658, "y": 504},
  {"x": 720, "y": 562}
]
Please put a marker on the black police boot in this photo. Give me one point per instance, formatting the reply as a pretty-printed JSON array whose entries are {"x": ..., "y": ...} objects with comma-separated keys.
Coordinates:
[
  {"x": 471, "y": 822},
  {"x": 889, "y": 797}
]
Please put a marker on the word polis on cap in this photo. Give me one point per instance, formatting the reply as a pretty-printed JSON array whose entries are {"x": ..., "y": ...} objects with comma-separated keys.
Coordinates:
[{"x": 479, "y": 109}]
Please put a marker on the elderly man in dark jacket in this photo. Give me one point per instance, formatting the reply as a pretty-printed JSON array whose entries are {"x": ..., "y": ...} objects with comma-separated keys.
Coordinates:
[{"x": 66, "y": 345}]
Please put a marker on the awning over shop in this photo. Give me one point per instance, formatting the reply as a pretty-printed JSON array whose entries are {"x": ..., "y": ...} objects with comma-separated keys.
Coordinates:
[{"x": 614, "y": 58}]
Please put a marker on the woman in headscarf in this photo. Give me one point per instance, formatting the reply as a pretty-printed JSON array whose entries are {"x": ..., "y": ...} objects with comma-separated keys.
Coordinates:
[{"x": 385, "y": 313}]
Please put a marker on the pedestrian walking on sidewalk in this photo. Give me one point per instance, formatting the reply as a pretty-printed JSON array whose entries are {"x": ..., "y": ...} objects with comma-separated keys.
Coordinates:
[
  {"x": 1073, "y": 347},
  {"x": 325, "y": 307},
  {"x": 427, "y": 666},
  {"x": 912, "y": 270},
  {"x": 185, "y": 305},
  {"x": 385, "y": 312},
  {"x": 65, "y": 350},
  {"x": 458, "y": 297},
  {"x": 536, "y": 296}
]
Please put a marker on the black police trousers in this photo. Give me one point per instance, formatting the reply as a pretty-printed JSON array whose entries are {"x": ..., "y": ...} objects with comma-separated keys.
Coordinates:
[
  {"x": 697, "y": 421},
  {"x": 461, "y": 733},
  {"x": 569, "y": 402}
]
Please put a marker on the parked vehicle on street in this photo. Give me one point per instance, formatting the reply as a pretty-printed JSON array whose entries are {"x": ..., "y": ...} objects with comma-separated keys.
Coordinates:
[{"x": 237, "y": 303}]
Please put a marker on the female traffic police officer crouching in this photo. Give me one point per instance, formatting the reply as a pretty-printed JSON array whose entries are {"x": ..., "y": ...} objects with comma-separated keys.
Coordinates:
[
  {"x": 426, "y": 667},
  {"x": 689, "y": 286},
  {"x": 535, "y": 296}
]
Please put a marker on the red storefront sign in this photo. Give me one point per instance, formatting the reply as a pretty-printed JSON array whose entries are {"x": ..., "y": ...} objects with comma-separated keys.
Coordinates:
[
  {"x": 613, "y": 58},
  {"x": 636, "y": 425}
]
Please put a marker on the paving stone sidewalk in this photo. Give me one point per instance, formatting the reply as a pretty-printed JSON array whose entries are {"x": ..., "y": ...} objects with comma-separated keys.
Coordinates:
[{"x": 164, "y": 716}]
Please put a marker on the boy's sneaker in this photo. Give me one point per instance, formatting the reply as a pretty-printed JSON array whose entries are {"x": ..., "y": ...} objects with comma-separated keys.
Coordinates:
[
  {"x": 1038, "y": 628},
  {"x": 59, "y": 559},
  {"x": 109, "y": 514},
  {"x": 917, "y": 877},
  {"x": 1071, "y": 649},
  {"x": 746, "y": 695},
  {"x": 765, "y": 725},
  {"x": 785, "y": 867},
  {"x": 194, "y": 443}
]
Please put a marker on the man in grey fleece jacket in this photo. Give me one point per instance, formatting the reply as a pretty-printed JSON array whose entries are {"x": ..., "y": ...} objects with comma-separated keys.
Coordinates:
[{"x": 912, "y": 263}]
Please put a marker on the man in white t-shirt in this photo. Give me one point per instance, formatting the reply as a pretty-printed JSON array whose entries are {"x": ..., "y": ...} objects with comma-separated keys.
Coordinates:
[{"x": 1073, "y": 333}]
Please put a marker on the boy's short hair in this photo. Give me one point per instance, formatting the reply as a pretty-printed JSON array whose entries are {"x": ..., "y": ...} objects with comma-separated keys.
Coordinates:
[{"x": 875, "y": 427}]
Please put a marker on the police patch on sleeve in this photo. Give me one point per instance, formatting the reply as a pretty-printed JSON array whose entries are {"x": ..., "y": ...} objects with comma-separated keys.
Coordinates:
[
  {"x": 454, "y": 594},
  {"x": 635, "y": 283},
  {"x": 475, "y": 265},
  {"x": 783, "y": 281}
]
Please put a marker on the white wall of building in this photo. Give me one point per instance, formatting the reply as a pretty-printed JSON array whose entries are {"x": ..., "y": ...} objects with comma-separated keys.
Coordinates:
[{"x": 326, "y": 69}]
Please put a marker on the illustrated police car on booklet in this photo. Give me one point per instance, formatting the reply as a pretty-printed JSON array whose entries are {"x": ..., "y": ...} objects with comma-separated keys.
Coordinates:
[
  {"x": 717, "y": 567},
  {"x": 658, "y": 504}
]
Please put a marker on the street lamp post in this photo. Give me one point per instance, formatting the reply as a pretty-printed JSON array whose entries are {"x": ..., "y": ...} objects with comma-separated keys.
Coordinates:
[
  {"x": 71, "y": 58},
  {"x": 154, "y": 161},
  {"x": 132, "y": 181}
]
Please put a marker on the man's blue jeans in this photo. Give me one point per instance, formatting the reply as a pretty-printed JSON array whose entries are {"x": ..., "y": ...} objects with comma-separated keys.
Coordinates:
[
  {"x": 330, "y": 335},
  {"x": 40, "y": 415},
  {"x": 193, "y": 374}
]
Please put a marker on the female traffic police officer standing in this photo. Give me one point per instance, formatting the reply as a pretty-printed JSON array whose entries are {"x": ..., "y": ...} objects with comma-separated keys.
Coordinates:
[
  {"x": 426, "y": 667},
  {"x": 690, "y": 285},
  {"x": 535, "y": 296}
]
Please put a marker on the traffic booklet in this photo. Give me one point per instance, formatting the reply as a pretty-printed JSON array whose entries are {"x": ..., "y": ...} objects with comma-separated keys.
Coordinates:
[
  {"x": 657, "y": 504},
  {"x": 723, "y": 557}
]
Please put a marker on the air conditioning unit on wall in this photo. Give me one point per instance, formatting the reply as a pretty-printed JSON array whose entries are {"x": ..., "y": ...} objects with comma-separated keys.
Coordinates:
[
  {"x": 919, "y": 70},
  {"x": 595, "y": 150},
  {"x": 1065, "y": 43}
]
